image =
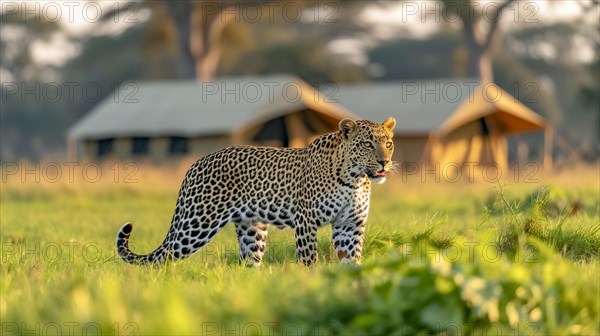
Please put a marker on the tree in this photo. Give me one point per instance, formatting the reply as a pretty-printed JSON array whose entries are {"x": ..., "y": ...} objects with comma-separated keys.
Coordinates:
[
  {"x": 24, "y": 120},
  {"x": 590, "y": 92},
  {"x": 200, "y": 26},
  {"x": 180, "y": 12},
  {"x": 480, "y": 45},
  {"x": 22, "y": 29}
]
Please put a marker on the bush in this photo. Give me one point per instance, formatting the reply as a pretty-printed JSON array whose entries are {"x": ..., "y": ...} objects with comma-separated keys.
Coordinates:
[{"x": 420, "y": 290}]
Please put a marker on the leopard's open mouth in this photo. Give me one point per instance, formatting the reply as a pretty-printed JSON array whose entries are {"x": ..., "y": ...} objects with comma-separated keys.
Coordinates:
[{"x": 378, "y": 174}]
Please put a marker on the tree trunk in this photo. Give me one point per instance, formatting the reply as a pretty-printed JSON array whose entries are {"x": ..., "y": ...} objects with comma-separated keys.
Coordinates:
[
  {"x": 479, "y": 64},
  {"x": 199, "y": 35},
  {"x": 480, "y": 48},
  {"x": 205, "y": 38},
  {"x": 180, "y": 14}
]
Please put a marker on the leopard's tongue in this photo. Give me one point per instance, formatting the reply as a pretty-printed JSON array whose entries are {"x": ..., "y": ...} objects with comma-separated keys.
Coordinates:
[{"x": 380, "y": 173}]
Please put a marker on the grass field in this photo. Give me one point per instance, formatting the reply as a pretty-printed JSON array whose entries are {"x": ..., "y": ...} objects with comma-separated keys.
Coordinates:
[{"x": 440, "y": 258}]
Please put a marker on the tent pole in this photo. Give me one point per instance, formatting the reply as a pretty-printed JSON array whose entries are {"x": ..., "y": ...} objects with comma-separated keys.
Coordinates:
[
  {"x": 427, "y": 159},
  {"x": 548, "y": 142},
  {"x": 71, "y": 150}
]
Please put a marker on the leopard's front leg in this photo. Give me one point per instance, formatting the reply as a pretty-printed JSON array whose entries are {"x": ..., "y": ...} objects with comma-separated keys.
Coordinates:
[
  {"x": 348, "y": 239},
  {"x": 306, "y": 240}
]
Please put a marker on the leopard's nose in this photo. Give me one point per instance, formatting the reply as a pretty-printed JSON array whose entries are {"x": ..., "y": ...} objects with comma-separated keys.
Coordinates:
[{"x": 383, "y": 163}]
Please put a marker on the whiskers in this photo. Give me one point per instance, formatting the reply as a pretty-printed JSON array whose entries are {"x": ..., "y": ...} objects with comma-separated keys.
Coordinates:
[{"x": 396, "y": 167}]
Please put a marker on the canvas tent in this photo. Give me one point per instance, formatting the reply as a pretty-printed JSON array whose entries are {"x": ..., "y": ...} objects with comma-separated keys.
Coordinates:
[
  {"x": 165, "y": 119},
  {"x": 445, "y": 121},
  {"x": 439, "y": 122}
]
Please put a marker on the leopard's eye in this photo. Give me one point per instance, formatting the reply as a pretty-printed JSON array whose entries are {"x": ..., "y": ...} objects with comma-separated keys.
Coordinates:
[
  {"x": 367, "y": 144},
  {"x": 389, "y": 144}
]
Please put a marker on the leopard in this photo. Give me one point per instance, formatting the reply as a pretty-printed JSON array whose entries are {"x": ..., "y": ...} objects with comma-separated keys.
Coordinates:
[{"x": 327, "y": 182}]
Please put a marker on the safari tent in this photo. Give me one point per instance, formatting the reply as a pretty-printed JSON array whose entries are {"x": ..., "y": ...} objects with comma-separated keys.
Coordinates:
[
  {"x": 439, "y": 122},
  {"x": 445, "y": 122},
  {"x": 162, "y": 120}
]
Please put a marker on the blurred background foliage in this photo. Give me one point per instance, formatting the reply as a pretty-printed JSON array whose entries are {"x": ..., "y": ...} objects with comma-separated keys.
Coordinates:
[{"x": 349, "y": 48}]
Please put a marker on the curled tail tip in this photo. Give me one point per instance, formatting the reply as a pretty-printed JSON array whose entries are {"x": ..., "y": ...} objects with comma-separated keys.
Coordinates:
[
  {"x": 129, "y": 256},
  {"x": 123, "y": 250},
  {"x": 123, "y": 241},
  {"x": 127, "y": 228}
]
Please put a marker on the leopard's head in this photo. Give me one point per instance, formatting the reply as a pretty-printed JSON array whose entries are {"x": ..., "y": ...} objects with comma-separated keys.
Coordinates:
[{"x": 369, "y": 147}]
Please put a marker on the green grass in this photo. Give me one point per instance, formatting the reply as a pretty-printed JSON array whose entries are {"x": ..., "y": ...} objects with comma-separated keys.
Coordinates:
[{"x": 439, "y": 258}]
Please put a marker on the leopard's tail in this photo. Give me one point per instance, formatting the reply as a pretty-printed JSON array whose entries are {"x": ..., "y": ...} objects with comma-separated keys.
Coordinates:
[{"x": 158, "y": 256}]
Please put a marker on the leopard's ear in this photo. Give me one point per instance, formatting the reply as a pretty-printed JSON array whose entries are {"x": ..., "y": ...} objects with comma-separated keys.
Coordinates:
[
  {"x": 348, "y": 127},
  {"x": 389, "y": 123}
]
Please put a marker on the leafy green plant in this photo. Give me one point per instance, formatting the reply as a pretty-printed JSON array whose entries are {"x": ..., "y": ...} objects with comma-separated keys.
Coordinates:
[{"x": 416, "y": 291}]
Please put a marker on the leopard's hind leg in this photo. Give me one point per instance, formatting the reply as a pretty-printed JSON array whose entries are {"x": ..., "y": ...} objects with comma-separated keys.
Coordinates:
[
  {"x": 187, "y": 238},
  {"x": 252, "y": 238}
]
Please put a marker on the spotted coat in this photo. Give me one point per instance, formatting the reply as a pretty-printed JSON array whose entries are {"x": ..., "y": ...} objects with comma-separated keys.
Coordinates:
[{"x": 328, "y": 182}]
